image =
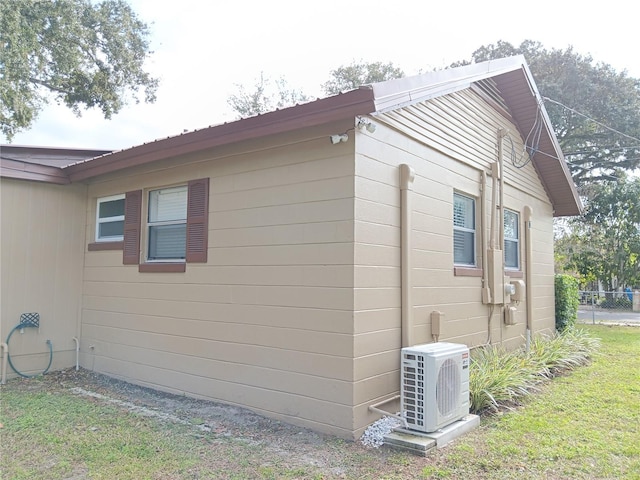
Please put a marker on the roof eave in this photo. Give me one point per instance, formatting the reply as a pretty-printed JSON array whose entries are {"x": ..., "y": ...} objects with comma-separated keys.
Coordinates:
[
  {"x": 548, "y": 160},
  {"x": 30, "y": 171},
  {"x": 350, "y": 104}
]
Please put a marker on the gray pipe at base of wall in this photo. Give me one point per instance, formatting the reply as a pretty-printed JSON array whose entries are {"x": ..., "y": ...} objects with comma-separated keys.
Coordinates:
[
  {"x": 75, "y": 339},
  {"x": 5, "y": 358}
]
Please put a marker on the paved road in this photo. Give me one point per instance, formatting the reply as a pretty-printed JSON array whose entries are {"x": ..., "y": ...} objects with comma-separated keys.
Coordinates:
[{"x": 589, "y": 315}]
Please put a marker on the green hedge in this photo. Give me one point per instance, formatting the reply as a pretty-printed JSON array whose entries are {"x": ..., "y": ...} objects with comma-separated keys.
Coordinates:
[{"x": 566, "y": 302}]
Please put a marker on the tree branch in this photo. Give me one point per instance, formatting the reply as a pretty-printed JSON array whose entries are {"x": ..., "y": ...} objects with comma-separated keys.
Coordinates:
[{"x": 49, "y": 86}]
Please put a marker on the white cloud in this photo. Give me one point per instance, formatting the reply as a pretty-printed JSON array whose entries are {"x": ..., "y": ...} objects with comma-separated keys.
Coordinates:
[{"x": 204, "y": 49}]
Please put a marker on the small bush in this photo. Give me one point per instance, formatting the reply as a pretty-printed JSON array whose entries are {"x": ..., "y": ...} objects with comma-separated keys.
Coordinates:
[
  {"x": 498, "y": 378},
  {"x": 567, "y": 302}
]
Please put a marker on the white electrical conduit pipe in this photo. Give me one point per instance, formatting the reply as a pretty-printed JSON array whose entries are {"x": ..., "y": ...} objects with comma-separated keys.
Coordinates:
[{"x": 407, "y": 176}]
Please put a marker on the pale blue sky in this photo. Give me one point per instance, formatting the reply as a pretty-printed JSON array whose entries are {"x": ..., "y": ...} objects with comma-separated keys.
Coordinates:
[{"x": 203, "y": 49}]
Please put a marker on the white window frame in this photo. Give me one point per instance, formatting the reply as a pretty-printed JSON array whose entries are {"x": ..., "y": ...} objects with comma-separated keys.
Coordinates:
[
  {"x": 116, "y": 218},
  {"x": 466, "y": 230},
  {"x": 159, "y": 223},
  {"x": 514, "y": 240}
]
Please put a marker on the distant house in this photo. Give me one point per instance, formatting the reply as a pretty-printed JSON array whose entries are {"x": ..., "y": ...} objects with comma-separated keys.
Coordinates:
[{"x": 280, "y": 262}]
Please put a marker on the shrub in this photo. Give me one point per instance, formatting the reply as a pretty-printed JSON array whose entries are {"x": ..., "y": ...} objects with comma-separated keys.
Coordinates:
[
  {"x": 498, "y": 378},
  {"x": 567, "y": 301}
]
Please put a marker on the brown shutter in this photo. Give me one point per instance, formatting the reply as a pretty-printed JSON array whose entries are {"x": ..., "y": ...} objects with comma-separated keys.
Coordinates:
[
  {"x": 132, "y": 211},
  {"x": 198, "y": 220}
]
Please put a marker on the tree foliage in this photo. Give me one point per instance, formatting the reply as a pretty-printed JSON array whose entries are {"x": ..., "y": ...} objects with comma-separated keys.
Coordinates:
[
  {"x": 597, "y": 114},
  {"x": 604, "y": 244},
  {"x": 81, "y": 54},
  {"x": 350, "y": 77},
  {"x": 566, "y": 295},
  {"x": 265, "y": 96}
]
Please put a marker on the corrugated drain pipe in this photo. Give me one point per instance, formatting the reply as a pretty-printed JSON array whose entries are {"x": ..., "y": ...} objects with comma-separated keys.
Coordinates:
[{"x": 407, "y": 175}]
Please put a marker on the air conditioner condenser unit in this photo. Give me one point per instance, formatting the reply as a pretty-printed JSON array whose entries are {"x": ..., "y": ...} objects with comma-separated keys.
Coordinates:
[{"x": 434, "y": 389}]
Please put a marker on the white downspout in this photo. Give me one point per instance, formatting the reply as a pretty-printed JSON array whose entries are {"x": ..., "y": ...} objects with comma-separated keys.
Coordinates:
[
  {"x": 528, "y": 248},
  {"x": 75, "y": 339},
  {"x": 407, "y": 175},
  {"x": 5, "y": 359}
]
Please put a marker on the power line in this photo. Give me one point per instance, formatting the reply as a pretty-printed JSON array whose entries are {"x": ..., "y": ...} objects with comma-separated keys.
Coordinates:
[{"x": 591, "y": 119}]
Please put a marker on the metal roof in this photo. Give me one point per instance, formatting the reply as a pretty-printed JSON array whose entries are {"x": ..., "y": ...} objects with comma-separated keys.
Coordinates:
[
  {"x": 43, "y": 164},
  {"x": 510, "y": 75}
]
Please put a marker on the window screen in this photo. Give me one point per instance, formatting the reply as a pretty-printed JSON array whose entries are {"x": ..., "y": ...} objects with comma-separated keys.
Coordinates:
[
  {"x": 511, "y": 239},
  {"x": 464, "y": 233}
]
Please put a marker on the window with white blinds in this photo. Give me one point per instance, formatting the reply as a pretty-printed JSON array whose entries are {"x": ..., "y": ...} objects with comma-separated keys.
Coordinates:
[
  {"x": 464, "y": 230},
  {"x": 167, "y": 224},
  {"x": 511, "y": 239}
]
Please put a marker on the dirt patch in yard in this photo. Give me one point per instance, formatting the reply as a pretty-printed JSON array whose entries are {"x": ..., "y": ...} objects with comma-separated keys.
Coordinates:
[{"x": 275, "y": 449}]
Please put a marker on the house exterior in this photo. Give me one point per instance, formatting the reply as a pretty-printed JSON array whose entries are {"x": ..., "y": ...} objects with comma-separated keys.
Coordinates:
[{"x": 281, "y": 262}]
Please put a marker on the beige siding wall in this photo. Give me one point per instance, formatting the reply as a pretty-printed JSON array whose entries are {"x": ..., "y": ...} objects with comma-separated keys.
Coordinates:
[
  {"x": 268, "y": 322},
  {"x": 42, "y": 253},
  {"x": 448, "y": 141}
]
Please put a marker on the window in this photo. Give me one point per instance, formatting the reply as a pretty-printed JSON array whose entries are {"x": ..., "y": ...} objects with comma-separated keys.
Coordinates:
[
  {"x": 110, "y": 219},
  {"x": 176, "y": 225},
  {"x": 167, "y": 224},
  {"x": 464, "y": 230},
  {"x": 511, "y": 239}
]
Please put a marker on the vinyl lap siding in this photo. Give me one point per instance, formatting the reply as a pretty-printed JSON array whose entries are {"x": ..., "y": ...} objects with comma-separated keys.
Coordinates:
[
  {"x": 42, "y": 244},
  {"x": 448, "y": 141},
  {"x": 267, "y": 321}
]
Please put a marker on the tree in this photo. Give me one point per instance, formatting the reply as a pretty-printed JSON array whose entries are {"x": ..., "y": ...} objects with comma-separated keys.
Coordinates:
[
  {"x": 604, "y": 244},
  {"x": 267, "y": 95},
  {"x": 595, "y": 111},
  {"x": 81, "y": 54},
  {"x": 350, "y": 77}
]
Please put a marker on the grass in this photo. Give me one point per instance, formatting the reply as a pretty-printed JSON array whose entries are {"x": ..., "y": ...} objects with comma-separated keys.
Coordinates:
[
  {"x": 582, "y": 425},
  {"x": 56, "y": 435},
  {"x": 585, "y": 425}
]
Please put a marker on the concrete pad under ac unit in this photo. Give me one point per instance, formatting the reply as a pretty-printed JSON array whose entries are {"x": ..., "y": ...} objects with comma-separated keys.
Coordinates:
[{"x": 421, "y": 443}]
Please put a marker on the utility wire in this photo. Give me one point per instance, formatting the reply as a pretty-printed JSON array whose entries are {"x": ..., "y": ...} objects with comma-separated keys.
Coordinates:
[{"x": 591, "y": 119}]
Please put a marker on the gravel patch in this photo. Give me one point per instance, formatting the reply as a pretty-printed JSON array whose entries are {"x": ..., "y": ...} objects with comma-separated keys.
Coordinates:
[{"x": 374, "y": 435}]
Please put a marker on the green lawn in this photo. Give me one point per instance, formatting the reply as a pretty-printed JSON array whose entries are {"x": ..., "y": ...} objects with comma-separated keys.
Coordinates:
[{"x": 585, "y": 425}]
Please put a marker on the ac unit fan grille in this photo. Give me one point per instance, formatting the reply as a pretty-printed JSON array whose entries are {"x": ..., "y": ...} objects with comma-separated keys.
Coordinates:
[{"x": 448, "y": 387}]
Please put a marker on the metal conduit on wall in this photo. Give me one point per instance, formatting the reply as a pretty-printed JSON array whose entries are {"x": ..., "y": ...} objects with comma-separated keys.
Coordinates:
[{"x": 407, "y": 176}]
